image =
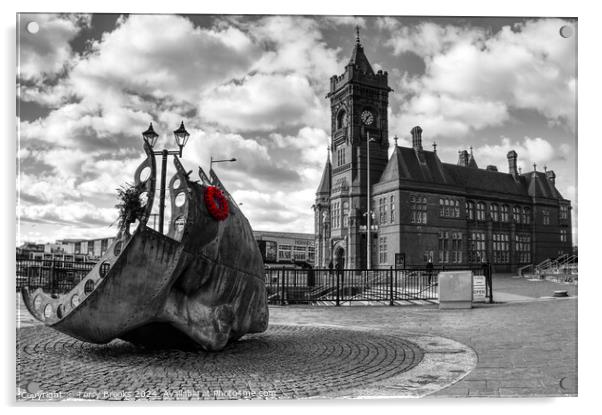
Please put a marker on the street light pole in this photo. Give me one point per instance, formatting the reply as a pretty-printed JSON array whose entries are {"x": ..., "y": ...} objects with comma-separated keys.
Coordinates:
[
  {"x": 219, "y": 161},
  {"x": 162, "y": 194},
  {"x": 369, "y": 211},
  {"x": 150, "y": 137}
]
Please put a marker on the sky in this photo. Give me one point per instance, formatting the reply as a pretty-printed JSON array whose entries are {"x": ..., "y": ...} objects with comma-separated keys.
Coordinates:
[{"x": 254, "y": 87}]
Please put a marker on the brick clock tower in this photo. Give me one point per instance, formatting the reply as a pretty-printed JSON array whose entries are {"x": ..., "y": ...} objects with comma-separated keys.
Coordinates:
[{"x": 359, "y": 100}]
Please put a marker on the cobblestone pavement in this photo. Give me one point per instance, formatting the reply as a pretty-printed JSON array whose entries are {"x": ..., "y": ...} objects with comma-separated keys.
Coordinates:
[
  {"x": 523, "y": 348},
  {"x": 285, "y": 362}
]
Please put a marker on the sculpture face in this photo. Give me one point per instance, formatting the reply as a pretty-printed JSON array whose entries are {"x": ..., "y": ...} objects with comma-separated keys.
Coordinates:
[{"x": 202, "y": 283}]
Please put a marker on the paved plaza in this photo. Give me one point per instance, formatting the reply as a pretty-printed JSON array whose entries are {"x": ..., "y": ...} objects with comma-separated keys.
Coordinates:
[{"x": 526, "y": 345}]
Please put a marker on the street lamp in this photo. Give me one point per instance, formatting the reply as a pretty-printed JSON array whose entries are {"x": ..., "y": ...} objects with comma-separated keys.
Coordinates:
[
  {"x": 369, "y": 211},
  {"x": 181, "y": 138},
  {"x": 219, "y": 161},
  {"x": 150, "y": 136}
]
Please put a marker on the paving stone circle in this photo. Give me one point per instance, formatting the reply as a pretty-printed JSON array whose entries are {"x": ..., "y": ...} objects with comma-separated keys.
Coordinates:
[{"x": 287, "y": 361}]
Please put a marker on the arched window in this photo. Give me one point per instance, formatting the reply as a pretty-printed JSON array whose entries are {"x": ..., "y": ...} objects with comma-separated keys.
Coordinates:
[
  {"x": 527, "y": 216},
  {"x": 494, "y": 210},
  {"x": 341, "y": 119},
  {"x": 345, "y": 214},
  {"x": 470, "y": 210},
  {"x": 335, "y": 215},
  {"x": 504, "y": 213},
  {"x": 516, "y": 214},
  {"x": 480, "y": 211},
  {"x": 382, "y": 210}
]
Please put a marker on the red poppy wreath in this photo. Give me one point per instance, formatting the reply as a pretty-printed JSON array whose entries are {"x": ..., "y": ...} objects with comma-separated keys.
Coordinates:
[{"x": 216, "y": 203}]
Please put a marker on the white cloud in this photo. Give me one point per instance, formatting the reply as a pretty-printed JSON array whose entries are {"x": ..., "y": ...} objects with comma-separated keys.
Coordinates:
[
  {"x": 288, "y": 211},
  {"x": 285, "y": 85},
  {"x": 47, "y": 188},
  {"x": 445, "y": 115},
  {"x": 82, "y": 213},
  {"x": 163, "y": 56},
  {"x": 483, "y": 75},
  {"x": 387, "y": 23},
  {"x": 530, "y": 150},
  {"x": 311, "y": 143},
  {"x": 263, "y": 102},
  {"x": 86, "y": 126},
  {"x": 295, "y": 44},
  {"x": 47, "y": 52},
  {"x": 428, "y": 39},
  {"x": 346, "y": 20}
]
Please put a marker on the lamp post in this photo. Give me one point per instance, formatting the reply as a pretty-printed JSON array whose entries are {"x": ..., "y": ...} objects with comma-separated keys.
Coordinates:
[
  {"x": 220, "y": 161},
  {"x": 181, "y": 138},
  {"x": 369, "y": 211}
]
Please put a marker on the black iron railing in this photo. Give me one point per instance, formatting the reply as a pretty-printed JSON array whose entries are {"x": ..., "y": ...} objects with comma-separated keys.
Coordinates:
[
  {"x": 284, "y": 285},
  {"x": 343, "y": 287},
  {"x": 53, "y": 276}
]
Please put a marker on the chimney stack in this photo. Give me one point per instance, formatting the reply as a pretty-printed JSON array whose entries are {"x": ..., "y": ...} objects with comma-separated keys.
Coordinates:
[
  {"x": 463, "y": 158},
  {"x": 551, "y": 177},
  {"x": 512, "y": 156},
  {"x": 416, "y": 138},
  {"x": 491, "y": 167}
]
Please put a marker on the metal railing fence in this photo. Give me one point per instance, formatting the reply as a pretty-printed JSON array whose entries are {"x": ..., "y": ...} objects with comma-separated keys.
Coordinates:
[
  {"x": 53, "y": 276},
  {"x": 284, "y": 285},
  {"x": 346, "y": 286}
]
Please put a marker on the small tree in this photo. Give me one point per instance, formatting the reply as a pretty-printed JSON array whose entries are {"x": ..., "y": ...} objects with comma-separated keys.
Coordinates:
[{"x": 130, "y": 207}]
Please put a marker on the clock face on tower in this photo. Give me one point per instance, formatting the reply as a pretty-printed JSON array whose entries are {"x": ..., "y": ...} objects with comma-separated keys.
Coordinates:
[{"x": 367, "y": 117}]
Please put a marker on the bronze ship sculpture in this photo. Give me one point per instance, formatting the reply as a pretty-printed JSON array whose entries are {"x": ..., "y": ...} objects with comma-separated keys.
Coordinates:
[{"x": 201, "y": 284}]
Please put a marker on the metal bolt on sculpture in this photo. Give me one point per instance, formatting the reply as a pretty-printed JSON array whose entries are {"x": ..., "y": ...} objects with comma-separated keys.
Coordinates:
[{"x": 202, "y": 284}]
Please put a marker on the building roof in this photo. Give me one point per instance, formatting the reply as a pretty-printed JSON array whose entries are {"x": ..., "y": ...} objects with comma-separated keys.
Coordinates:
[
  {"x": 486, "y": 180},
  {"x": 290, "y": 235},
  {"x": 540, "y": 186},
  {"x": 325, "y": 183},
  {"x": 408, "y": 164},
  {"x": 472, "y": 162},
  {"x": 359, "y": 59}
]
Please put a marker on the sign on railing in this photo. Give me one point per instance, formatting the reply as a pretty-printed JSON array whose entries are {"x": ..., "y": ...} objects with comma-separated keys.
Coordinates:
[{"x": 479, "y": 289}]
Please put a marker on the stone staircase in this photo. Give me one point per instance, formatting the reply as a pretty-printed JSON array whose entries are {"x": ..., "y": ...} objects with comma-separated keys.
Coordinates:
[{"x": 561, "y": 269}]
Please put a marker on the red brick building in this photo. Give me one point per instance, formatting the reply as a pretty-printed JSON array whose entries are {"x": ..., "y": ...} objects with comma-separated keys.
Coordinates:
[{"x": 423, "y": 208}]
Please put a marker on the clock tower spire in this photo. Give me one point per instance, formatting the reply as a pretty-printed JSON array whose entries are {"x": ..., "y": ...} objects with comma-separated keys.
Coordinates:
[{"x": 359, "y": 100}]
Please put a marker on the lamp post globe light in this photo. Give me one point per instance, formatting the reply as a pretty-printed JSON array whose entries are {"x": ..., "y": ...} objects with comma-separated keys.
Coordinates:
[
  {"x": 150, "y": 136},
  {"x": 181, "y": 138}
]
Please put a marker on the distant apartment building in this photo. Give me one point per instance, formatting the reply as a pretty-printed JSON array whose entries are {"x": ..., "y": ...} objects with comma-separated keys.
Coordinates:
[
  {"x": 26, "y": 250},
  {"x": 280, "y": 248},
  {"x": 70, "y": 250}
]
